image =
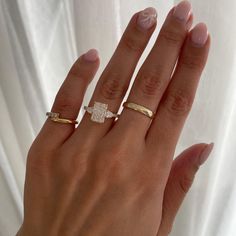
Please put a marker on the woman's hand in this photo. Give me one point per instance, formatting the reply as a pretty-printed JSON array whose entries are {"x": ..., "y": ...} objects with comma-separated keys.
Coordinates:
[{"x": 119, "y": 178}]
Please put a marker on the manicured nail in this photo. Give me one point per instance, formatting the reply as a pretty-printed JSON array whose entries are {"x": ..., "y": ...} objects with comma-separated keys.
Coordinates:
[
  {"x": 182, "y": 11},
  {"x": 147, "y": 18},
  {"x": 205, "y": 153},
  {"x": 189, "y": 22},
  {"x": 199, "y": 34},
  {"x": 91, "y": 55}
]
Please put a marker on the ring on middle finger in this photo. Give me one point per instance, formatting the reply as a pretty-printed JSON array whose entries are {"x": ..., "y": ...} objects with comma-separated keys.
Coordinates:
[{"x": 99, "y": 112}]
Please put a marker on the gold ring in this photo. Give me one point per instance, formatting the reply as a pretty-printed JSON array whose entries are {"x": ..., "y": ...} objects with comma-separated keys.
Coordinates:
[
  {"x": 55, "y": 117},
  {"x": 144, "y": 110}
]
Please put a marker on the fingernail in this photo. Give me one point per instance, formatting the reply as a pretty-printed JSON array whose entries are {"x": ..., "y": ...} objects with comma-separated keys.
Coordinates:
[
  {"x": 147, "y": 18},
  {"x": 205, "y": 153},
  {"x": 182, "y": 11},
  {"x": 189, "y": 22},
  {"x": 199, "y": 34},
  {"x": 91, "y": 55}
]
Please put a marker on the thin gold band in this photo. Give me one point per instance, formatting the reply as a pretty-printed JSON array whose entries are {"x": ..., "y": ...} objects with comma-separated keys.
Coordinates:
[
  {"x": 55, "y": 117},
  {"x": 144, "y": 110}
]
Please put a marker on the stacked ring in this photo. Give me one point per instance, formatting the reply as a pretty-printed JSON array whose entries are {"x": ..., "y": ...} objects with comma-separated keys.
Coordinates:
[
  {"x": 100, "y": 111},
  {"x": 56, "y": 118},
  {"x": 144, "y": 110}
]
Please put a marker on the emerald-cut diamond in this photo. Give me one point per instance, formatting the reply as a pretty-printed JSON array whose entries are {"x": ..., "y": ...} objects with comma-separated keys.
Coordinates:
[{"x": 99, "y": 112}]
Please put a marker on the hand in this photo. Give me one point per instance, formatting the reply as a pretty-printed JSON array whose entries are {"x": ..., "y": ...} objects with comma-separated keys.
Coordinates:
[{"x": 119, "y": 178}]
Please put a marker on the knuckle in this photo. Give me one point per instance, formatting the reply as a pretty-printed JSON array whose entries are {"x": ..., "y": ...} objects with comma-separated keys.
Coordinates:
[
  {"x": 178, "y": 103},
  {"x": 192, "y": 62},
  {"x": 194, "y": 168},
  {"x": 112, "y": 88},
  {"x": 115, "y": 165},
  {"x": 147, "y": 181},
  {"x": 38, "y": 162},
  {"x": 185, "y": 183},
  {"x": 171, "y": 36},
  {"x": 79, "y": 71},
  {"x": 64, "y": 101},
  {"x": 133, "y": 44},
  {"x": 146, "y": 178},
  {"x": 150, "y": 83},
  {"x": 113, "y": 174},
  {"x": 75, "y": 70},
  {"x": 117, "y": 170},
  {"x": 75, "y": 168}
]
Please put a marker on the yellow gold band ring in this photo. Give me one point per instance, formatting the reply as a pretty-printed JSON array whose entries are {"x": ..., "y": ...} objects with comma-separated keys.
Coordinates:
[
  {"x": 144, "y": 110},
  {"x": 55, "y": 117}
]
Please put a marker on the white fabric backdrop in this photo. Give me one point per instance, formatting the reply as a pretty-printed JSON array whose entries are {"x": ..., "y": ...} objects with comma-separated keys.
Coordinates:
[{"x": 39, "y": 41}]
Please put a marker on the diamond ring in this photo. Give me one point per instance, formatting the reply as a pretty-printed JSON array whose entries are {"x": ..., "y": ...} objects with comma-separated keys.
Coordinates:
[
  {"x": 99, "y": 112},
  {"x": 54, "y": 116}
]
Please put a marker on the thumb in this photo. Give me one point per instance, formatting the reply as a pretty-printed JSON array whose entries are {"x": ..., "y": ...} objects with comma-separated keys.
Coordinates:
[{"x": 180, "y": 179}]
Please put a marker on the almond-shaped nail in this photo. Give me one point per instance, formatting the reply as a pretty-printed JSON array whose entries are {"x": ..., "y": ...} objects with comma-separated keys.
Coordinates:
[
  {"x": 190, "y": 21},
  {"x": 147, "y": 18},
  {"x": 91, "y": 55},
  {"x": 183, "y": 10},
  {"x": 206, "y": 153},
  {"x": 199, "y": 34}
]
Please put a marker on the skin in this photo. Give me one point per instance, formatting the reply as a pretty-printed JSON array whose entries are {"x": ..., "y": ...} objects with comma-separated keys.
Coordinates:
[{"x": 118, "y": 178}]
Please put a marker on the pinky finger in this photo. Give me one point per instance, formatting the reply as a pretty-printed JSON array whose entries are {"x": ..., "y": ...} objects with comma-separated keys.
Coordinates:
[{"x": 68, "y": 100}]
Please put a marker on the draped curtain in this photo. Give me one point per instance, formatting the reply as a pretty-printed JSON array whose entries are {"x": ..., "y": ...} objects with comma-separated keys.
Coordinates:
[{"x": 40, "y": 40}]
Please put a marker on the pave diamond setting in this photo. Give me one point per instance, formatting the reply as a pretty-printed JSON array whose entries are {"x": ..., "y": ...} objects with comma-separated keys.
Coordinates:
[
  {"x": 99, "y": 112},
  {"x": 52, "y": 114}
]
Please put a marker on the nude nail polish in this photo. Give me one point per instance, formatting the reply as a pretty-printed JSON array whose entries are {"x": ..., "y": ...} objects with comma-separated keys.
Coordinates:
[
  {"x": 91, "y": 55},
  {"x": 182, "y": 11},
  {"x": 147, "y": 18},
  {"x": 206, "y": 153},
  {"x": 199, "y": 34}
]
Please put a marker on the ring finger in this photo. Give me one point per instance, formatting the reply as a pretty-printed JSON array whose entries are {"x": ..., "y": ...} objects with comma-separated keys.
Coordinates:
[{"x": 154, "y": 75}]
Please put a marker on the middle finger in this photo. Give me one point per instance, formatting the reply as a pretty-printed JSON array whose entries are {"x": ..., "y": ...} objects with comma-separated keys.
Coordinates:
[
  {"x": 115, "y": 79},
  {"x": 155, "y": 73}
]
